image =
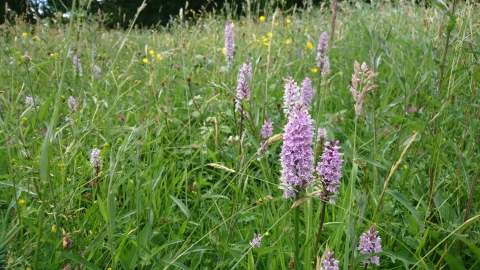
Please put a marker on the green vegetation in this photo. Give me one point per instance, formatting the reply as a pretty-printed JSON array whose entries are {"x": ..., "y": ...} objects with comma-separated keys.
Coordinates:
[{"x": 179, "y": 183}]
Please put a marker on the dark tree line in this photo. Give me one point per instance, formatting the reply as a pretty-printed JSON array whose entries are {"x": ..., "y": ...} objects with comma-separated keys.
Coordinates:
[{"x": 123, "y": 11}]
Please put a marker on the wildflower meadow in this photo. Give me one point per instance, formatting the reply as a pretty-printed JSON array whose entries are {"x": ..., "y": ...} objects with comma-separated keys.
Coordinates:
[{"x": 340, "y": 136}]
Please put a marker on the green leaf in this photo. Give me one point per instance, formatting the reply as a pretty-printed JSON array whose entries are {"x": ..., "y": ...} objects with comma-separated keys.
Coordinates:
[
  {"x": 372, "y": 162},
  {"x": 111, "y": 208},
  {"x": 392, "y": 104},
  {"x": 46, "y": 106},
  {"x": 471, "y": 245},
  {"x": 268, "y": 250},
  {"x": 177, "y": 264},
  {"x": 18, "y": 187},
  {"x": 225, "y": 129},
  {"x": 196, "y": 260},
  {"x": 251, "y": 262},
  {"x": 439, "y": 4},
  {"x": 143, "y": 237},
  {"x": 101, "y": 207},
  {"x": 422, "y": 241},
  {"x": 81, "y": 261},
  {"x": 236, "y": 255},
  {"x": 346, "y": 216},
  {"x": 119, "y": 251},
  {"x": 403, "y": 256},
  {"x": 6, "y": 238},
  {"x": 214, "y": 196},
  {"x": 405, "y": 202},
  {"x": 197, "y": 249},
  {"x": 164, "y": 246},
  {"x": 181, "y": 205},
  {"x": 452, "y": 261}
]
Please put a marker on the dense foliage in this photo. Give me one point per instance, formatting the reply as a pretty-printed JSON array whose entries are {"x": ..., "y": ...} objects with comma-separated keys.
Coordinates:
[{"x": 184, "y": 148}]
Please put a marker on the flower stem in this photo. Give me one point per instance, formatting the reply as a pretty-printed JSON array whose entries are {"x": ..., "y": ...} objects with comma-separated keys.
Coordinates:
[
  {"x": 240, "y": 145},
  {"x": 296, "y": 241},
  {"x": 320, "y": 229},
  {"x": 355, "y": 139}
]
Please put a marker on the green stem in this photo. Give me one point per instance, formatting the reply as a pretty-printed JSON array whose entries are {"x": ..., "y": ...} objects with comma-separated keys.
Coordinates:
[
  {"x": 470, "y": 198},
  {"x": 240, "y": 144},
  {"x": 320, "y": 229},
  {"x": 297, "y": 233},
  {"x": 355, "y": 139},
  {"x": 30, "y": 87},
  {"x": 40, "y": 232},
  {"x": 445, "y": 50}
]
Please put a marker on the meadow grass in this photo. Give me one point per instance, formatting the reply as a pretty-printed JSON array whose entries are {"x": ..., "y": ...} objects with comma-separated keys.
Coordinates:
[{"x": 181, "y": 184}]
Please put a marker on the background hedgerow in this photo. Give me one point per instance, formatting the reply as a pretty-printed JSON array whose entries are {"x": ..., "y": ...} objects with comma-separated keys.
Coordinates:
[{"x": 179, "y": 181}]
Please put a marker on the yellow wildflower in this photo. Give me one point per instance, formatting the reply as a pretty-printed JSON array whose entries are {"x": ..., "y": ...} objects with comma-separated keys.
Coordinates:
[
  {"x": 145, "y": 60},
  {"x": 265, "y": 41},
  {"x": 25, "y": 34},
  {"x": 267, "y": 234},
  {"x": 21, "y": 202},
  {"x": 309, "y": 45},
  {"x": 270, "y": 34},
  {"x": 151, "y": 52},
  {"x": 54, "y": 229},
  {"x": 288, "y": 20},
  {"x": 159, "y": 57},
  {"x": 262, "y": 18},
  {"x": 224, "y": 50},
  {"x": 288, "y": 42},
  {"x": 314, "y": 70}
]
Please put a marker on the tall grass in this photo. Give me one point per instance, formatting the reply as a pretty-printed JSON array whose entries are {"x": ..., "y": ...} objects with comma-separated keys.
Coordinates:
[{"x": 181, "y": 183}]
